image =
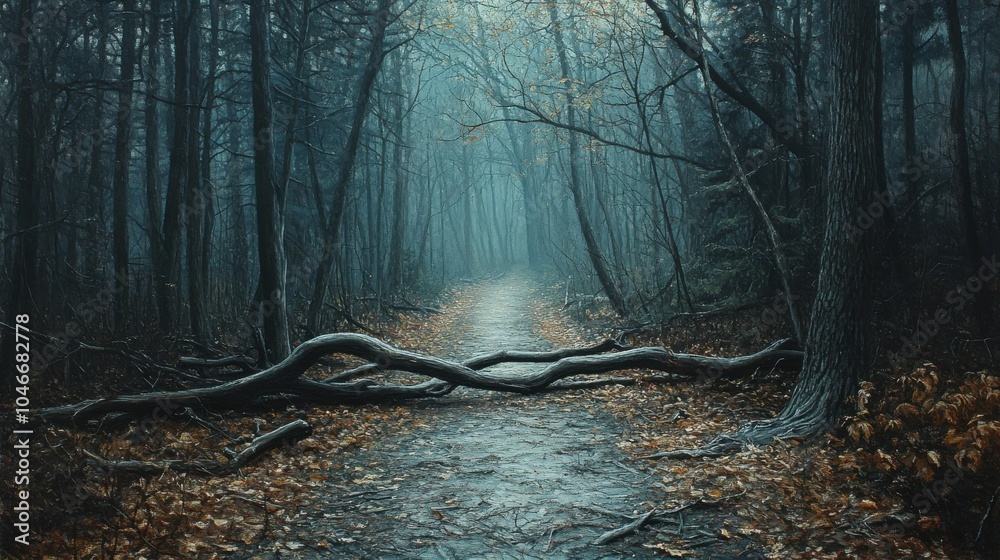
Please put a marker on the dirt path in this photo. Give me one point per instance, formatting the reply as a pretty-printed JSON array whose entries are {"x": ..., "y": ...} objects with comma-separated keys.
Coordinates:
[{"x": 488, "y": 475}]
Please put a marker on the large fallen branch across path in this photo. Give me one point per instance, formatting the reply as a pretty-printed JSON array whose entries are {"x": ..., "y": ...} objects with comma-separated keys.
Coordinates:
[
  {"x": 285, "y": 377},
  {"x": 484, "y": 361}
]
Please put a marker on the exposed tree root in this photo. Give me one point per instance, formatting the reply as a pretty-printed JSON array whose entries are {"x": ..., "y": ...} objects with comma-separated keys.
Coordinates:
[
  {"x": 760, "y": 432},
  {"x": 285, "y": 377}
]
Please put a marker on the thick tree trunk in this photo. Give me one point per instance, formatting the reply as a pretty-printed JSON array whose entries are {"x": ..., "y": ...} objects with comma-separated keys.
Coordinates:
[
  {"x": 24, "y": 274},
  {"x": 269, "y": 303},
  {"x": 838, "y": 344},
  {"x": 838, "y": 349}
]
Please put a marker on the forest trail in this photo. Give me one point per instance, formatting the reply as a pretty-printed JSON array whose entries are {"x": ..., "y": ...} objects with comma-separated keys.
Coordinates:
[{"x": 491, "y": 475}]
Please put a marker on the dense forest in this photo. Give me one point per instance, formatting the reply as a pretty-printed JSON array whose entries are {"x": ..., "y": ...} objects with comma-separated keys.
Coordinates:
[{"x": 238, "y": 214}]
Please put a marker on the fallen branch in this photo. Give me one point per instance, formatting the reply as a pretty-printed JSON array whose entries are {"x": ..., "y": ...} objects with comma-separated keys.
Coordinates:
[
  {"x": 284, "y": 378},
  {"x": 484, "y": 361},
  {"x": 287, "y": 434},
  {"x": 620, "y": 532}
]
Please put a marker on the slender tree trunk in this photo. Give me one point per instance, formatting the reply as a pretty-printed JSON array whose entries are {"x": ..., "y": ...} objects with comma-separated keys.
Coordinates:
[
  {"x": 207, "y": 183},
  {"x": 123, "y": 141},
  {"x": 154, "y": 214},
  {"x": 270, "y": 303},
  {"x": 196, "y": 195},
  {"x": 737, "y": 169},
  {"x": 333, "y": 234},
  {"x": 468, "y": 248},
  {"x": 167, "y": 259},
  {"x": 597, "y": 259},
  {"x": 96, "y": 175},
  {"x": 400, "y": 152},
  {"x": 963, "y": 169}
]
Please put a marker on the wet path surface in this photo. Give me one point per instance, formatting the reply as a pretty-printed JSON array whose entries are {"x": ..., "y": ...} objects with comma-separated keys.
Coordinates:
[{"x": 491, "y": 475}]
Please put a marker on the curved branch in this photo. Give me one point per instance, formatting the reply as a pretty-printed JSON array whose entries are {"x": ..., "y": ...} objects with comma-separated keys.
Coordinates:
[{"x": 284, "y": 377}]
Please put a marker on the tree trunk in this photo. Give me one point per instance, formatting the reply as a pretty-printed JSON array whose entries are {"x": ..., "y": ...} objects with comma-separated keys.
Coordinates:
[
  {"x": 336, "y": 214},
  {"x": 575, "y": 183},
  {"x": 24, "y": 273},
  {"x": 741, "y": 176},
  {"x": 963, "y": 172},
  {"x": 123, "y": 132},
  {"x": 154, "y": 214},
  {"x": 196, "y": 195},
  {"x": 209, "y": 192},
  {"x": 838, "y": 348},
  {"x": 269, "y": 303},
  {"x": 166, "y": 261},
  {"x": 400, "y": 151}
]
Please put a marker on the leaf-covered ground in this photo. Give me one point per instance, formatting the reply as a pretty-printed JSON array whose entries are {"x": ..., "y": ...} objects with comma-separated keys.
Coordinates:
[{"x": 478, "y": 474}]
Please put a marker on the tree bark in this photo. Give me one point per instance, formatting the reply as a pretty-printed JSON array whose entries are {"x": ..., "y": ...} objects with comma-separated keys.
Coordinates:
[
  {"x": 25, "y": 262},
  {"x": 597, "y": 259},
  {"x": 123, "y": 141},
  {"x": 269, "y": 303},
  {"x": 963, "y": 169},
  {"x": 838, "y": 348},
  {"x": 166, "y": 262},
  {"x": 333, "y": 232}
]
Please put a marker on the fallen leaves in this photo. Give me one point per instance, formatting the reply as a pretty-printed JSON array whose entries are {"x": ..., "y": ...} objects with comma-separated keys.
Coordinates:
[{"x": 670, "y": 551}]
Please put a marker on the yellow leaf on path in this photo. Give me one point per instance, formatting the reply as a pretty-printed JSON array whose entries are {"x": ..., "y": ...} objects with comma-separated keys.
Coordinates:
[{"x": 671, "y": 552}]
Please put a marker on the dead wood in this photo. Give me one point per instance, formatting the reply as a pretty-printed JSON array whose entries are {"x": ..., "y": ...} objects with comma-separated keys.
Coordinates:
[
  {"x": 285, "y": 377},
  {"x": 285, "y": 435},
  {"x": 620, "y": 532}
]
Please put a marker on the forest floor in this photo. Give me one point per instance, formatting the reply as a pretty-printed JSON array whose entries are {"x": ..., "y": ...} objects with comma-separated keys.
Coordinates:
[{"x": 478, "y": 474}]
